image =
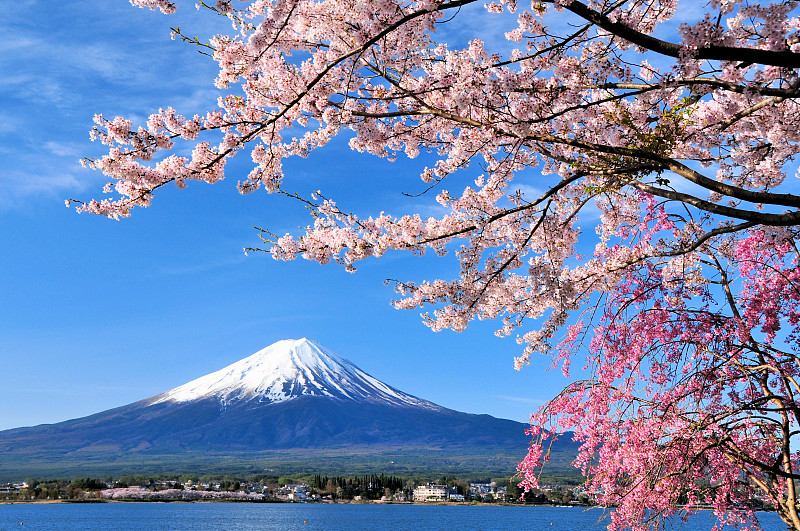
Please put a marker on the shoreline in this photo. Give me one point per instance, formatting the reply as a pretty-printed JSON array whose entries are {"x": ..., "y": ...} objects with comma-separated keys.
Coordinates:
[
  {"x": 272, "y": 501},
  {"x": 327, "y": 502}
]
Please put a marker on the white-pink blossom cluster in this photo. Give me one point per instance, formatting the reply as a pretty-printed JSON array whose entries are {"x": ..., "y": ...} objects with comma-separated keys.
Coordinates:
[
  {"x": 144, "y": 494},
  {"x": 164, "y": 6}
]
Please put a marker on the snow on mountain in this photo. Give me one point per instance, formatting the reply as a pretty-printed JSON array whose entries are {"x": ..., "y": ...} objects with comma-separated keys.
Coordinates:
[{"x": 287, "y": 370}]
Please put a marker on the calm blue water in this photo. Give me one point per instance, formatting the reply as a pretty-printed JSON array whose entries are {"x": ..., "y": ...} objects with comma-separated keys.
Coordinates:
[{"x": 313, "y": 517}]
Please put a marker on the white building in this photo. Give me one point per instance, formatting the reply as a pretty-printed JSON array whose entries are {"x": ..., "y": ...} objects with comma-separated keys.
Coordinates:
[{"x": 430, "y": 492}]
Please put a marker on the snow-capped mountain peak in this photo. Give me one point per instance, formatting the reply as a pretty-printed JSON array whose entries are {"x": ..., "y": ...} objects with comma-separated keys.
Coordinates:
[{"x": 287, "y": 370}]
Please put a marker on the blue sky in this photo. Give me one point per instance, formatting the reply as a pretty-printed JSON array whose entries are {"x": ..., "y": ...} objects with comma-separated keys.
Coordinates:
[{"x": 95, "y": 313}]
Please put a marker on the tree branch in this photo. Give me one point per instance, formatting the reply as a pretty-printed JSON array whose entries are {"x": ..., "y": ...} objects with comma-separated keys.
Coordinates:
[{"x": 785, "y": 59}]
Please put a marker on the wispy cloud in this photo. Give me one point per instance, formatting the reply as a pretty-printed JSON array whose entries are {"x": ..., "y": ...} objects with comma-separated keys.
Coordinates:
[
  {"x": 203, "y": 267},
  {"x": 63, "y": 149},
  {"x": 520, "y": 399},
  {"x": 8, "y": 124},
  {"x": 429, "y": 209},
  {"x": 18, "y": 186}
]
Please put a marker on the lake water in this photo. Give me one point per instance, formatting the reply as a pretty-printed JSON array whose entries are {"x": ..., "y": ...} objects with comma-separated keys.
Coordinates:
[{"x": 312, "y": 517}]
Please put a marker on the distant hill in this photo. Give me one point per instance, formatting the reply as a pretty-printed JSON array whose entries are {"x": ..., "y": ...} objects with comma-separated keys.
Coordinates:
[{"x": 291, "y": 407}]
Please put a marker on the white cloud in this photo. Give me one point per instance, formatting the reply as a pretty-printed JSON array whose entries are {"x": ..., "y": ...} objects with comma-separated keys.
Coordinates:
[
  {"x": 521, "y": 399},
  {"x": 21, "y": 186},
  {"x": 8, "y": 123},
  {"x": 197, "y": 101},
  {"x": 62, "y": 149},
  {"x": 181, "y": 270}
]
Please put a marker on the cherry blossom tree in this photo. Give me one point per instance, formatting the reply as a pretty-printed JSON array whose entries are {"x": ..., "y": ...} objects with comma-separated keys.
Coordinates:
[{"x": 673, "y": 137}]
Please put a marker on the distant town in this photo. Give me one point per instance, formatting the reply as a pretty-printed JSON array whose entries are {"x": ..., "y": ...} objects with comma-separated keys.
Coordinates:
[{"x": 316, "y": 489}]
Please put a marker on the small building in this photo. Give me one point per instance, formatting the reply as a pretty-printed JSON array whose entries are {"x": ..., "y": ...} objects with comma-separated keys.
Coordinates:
[
  {"x": 482, "y": 490},
  {"x": 300, "y": 496},
  {"x": 430, "y": 492}
]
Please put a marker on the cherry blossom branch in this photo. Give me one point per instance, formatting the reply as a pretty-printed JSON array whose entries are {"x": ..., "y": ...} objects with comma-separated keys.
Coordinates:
[
  {"x": 784, "y": 59},
  {"x": 763, "y": 218}
]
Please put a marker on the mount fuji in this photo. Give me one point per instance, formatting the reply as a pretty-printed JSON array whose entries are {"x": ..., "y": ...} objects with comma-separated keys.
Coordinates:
[
  {"x": 288, "y": 370},
  {"x": 292, "y": 406}
]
